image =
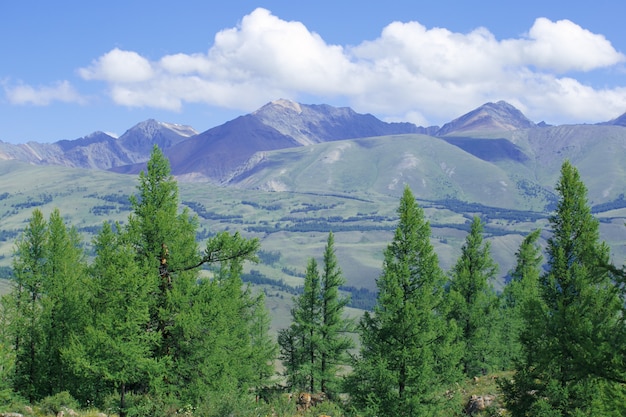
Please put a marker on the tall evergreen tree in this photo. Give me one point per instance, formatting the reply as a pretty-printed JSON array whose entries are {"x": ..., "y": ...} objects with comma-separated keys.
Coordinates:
[
  {"x": 300, "y": 343},
  {"x": 115, "y": 350},
  {"x": 316, "y": 343},
  {"x": 48, "y": 305},
  {"x": 334, "y": 340},
  {"x": 29, "y": 267},
  {"x": 197, "y": 320},
  {"x": 522, "y": 289},
  {"x": 474, "y": 303},
  {"x": 408, "y": 356},
  {"x": 64, "y": 312},
  {"x": 570, "y": 363}
]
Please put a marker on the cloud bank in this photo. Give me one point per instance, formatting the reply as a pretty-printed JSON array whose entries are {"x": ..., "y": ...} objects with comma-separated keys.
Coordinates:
[{"x": 409, "y": 72}]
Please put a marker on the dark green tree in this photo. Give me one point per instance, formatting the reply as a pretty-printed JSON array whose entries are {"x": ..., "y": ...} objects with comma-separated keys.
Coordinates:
[
  {"x": 408, "y": 355},
  {"x": 522, "y": 289},
  {"x": 571, "y": 357},
  {"x": 474, "y": 303}
]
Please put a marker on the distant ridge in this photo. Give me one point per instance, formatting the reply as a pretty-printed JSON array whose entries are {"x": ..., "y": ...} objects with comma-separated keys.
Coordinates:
[{"x": 620, "y": 121}]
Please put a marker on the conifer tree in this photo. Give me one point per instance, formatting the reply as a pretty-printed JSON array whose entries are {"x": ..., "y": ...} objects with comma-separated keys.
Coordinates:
[
  {"x": 203, "y": 328},
  {"x": 64, "y": 307},
  {"x": 316, "y": 343},
  {"x": 334, "y": 339},
  {"x": 300, "y": 343},
  {"x": 408, "y": 354},
  {"x": 474, "y": 303},
  {"x": 29, "y": 267},
  {"x": 522, "y": 289},
  {"x": 570, "y": 364},
  {"x": 115, "y": 350}
]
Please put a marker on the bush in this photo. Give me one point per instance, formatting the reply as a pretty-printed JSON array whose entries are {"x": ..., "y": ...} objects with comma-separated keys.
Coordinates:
[{"x": 55, "y": 403}]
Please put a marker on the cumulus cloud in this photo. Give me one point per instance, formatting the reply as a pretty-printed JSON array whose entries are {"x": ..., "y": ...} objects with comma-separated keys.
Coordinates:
[
  {"x": 564, "y": 46},
  {"x": 409, "y": 71},
  {"x": 44, "y": 95},
  {"x": 119, "y": 66}
]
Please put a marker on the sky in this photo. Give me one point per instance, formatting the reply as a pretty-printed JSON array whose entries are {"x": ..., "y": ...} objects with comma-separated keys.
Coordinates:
[{"x": 70, "y": 68}]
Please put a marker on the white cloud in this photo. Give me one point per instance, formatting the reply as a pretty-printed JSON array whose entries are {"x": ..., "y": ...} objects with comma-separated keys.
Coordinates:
[
  {"x": 408, "y": 71},
  {"x": 117, "y": 66},
  {"x": 564, "y": 46},
  {"x": 42, "y": 96}
]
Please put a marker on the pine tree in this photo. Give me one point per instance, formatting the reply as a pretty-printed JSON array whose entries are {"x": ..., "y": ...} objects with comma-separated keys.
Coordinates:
[
  {"x": 300, "y": 343},
  {"x": 522, "y": 289},
  {"x": 115, "y": 350},
  {"x": 407, "y": 356},
  {"x": 570, "y": 363},
  {"x": 316, "y": 343},
  {"x": 29, "y": 266},
  {"x": 202, "y": 323},
  {"x": 334, "y": 341},
  {"x": 64, "y": 307},
  {"x": 48, "y": 306},
  {"x": 474, "y": 303}
]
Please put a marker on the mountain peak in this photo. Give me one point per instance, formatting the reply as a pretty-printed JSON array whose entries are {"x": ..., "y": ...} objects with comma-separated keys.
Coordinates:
[
  {"x": 152, "y": 128},
  {"x": 489, "y": 117},
  {"x": 278, "y": 106},
  {"x": 144, "y": 135}
]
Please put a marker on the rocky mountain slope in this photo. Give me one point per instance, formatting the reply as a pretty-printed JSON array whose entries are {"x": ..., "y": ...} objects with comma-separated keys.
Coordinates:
[
  {"x": 233, "y": 153},
  {"x": 100, "y": 150}
]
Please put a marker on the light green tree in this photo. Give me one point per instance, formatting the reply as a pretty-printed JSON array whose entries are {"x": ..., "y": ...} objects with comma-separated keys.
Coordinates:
[
  {"x": 300, "y": 343},
  {"x": 474, "y": 303},
  {"x": 571, "y": 355},
  {"x": 202, "y": 323},
  {"x": 316, "y": 344},
  {"x": 408, "y": 354},
  {"x": 29, "y": 267},
  {"x": 115, "y": 350},
  {"x": 334, "y": 326},
  {"x": 520, "y": 291},
  {"x": 64, "y": 307}
]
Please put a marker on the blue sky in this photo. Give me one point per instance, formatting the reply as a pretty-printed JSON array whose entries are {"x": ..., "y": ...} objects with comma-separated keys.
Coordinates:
[{"x": 69, "y": 68}]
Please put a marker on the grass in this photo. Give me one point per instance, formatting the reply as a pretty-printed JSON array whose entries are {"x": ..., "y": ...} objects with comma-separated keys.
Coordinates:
[{"x": 280, "y": 405}]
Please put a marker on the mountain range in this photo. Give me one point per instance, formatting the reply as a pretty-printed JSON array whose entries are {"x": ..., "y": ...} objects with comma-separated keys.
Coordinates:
[
  {"x": 290, "y": 172},
  {"x": 218, "y": 153},
  {"x": 493, "y": 153}
]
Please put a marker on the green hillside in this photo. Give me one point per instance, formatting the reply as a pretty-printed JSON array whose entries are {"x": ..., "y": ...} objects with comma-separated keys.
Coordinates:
[{"x": 291, "y": 198}]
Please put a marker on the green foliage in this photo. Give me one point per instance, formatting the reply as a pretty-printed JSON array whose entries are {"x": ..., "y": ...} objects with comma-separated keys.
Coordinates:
[
  {"x": 408, "y": 353},
  {"x": 138, "y": 325},
  {"x": 46, "y": 306},
  {"x": 58, "y": 402},
  {"x": 334, "y": 341},
  {"x": 519, "y": 293},
  {"x": 571, "y": 355},
  {"x": 300, "y": 342},
  {"x": 474, "y": 303},
  {"x": 114, "y": 352},
  {"x": 316, "y": 344}
]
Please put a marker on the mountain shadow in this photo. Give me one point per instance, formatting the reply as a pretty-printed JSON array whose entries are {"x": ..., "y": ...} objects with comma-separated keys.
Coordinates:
[{"x": 490, "y": 150}]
